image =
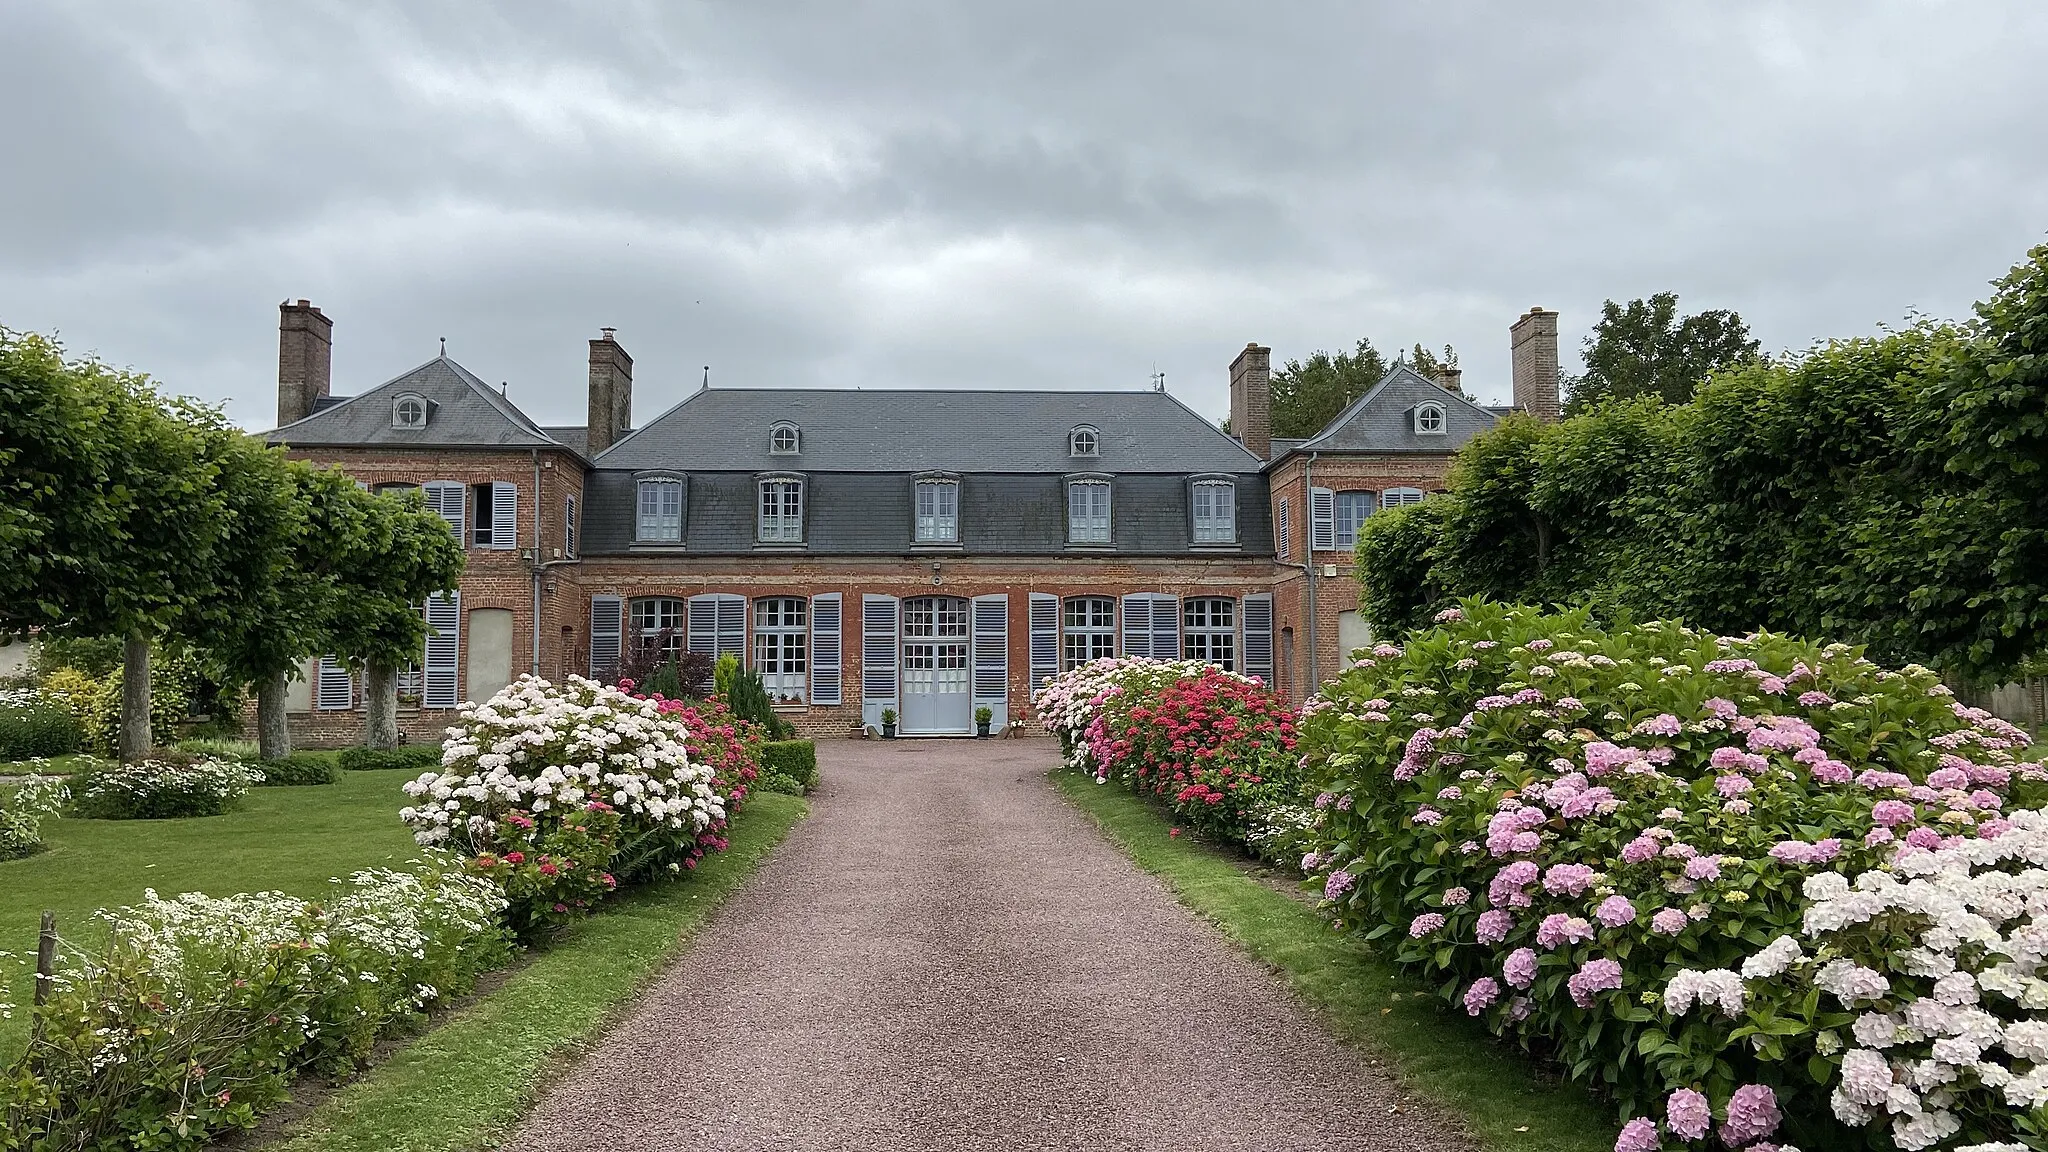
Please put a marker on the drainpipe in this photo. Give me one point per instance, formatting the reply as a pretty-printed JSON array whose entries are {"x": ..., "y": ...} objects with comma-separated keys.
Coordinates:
[
  {"x": 1308, "y": 478},
  {"x": 538, "y": 559}
]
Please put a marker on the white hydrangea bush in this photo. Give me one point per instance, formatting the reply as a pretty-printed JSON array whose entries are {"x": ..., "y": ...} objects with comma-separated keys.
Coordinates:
[{"x": 537, "y": 751}]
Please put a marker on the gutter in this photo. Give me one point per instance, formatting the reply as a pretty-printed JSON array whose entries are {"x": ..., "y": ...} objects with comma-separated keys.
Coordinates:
[
  {"x": 1309, "y": 570},
  {"x": 538, "y": 561}
]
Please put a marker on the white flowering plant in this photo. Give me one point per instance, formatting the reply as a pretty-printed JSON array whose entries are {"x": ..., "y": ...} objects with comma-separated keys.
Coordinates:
[
  {"x": 539, "y": 753},
  {"x": 1763, "y": 889},
  {"x": 166, "y": 785},
  {"x": 195, "y": 1012},
  {"x": 23, "y": 807}
]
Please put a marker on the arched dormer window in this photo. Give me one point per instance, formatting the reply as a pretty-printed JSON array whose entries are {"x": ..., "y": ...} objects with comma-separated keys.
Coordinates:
[
  {"x": 409, "y": 411},
  {"x": 1429, "y": 418},
  {"x": 785, "y": 440},
  {"x": 1082, "y": 441}
]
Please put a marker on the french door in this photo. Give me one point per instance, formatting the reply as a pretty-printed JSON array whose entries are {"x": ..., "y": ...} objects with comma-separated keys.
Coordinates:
[{"x": 937, "y": 688}]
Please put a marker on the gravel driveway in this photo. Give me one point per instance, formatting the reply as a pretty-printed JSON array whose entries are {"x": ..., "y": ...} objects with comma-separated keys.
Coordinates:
[{"x": 946, "y": 955}]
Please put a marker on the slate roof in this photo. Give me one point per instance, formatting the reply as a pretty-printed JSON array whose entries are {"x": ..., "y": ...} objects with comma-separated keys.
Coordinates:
[
  {"x": 463, "y": 412},
  {"x": 1382, "y": 420},
  {"x": 577, "y": 437},
  {"x": 905, "y": 430}
]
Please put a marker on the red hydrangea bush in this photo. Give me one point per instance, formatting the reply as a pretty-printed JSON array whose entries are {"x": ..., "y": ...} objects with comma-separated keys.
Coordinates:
[
  {"x": 730, "y": 747},
  {"x": 1769, "y": 892}
]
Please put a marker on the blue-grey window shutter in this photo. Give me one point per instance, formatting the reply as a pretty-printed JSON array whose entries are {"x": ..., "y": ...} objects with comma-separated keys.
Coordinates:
[
  {"x": 504, "y": 516},
  {"x": 1280, "y": 531},
  {"x": 732, "y": 624},
  {"x": 336, "y": 690},
  {"x": 992, "y": 649},
  {"x": 1322, "y": 519},
  {"x": 701, "y": 633},
  {"x": 607, "y": 635},
  {"x": 449, "y": 500},
  {"x": 569, "y": 528},
  {"x": 878, "y": 649},
  {"x": 1166, "y": 627},
  {"x": 1258, "y": 636},
  {"x": 1045, "y": 639},
  {"x": 444, "y": 647},
  {"x": 825, "y": 648},
  {"x": 1138, "y": 625}
]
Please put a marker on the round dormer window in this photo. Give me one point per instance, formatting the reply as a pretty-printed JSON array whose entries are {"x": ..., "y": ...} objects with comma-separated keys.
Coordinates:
[
  {"x": 1429, "y": 419},
  {"x": 1081, "y": 442},
  {"x": 409, "y": 412},
  {"x": 784, "y": 440}
]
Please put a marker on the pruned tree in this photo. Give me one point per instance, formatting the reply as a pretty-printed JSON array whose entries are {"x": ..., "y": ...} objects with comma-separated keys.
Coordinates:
[{"x": 1644, "y": 348}]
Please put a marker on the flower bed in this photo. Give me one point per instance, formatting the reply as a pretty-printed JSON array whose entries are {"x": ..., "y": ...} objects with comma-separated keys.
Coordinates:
[
  {"x": 168, "y": 785},
  {"x": 1764, "y": 889},
  {"x": 731, "y": 748},
  {"x": 196, "y": 1012},
  {"x": 567, "y": 782},
  {"x": 23, "y": 807},
  {"x": 1216, "y": 747},
  {"x": 34, "y": 724}
]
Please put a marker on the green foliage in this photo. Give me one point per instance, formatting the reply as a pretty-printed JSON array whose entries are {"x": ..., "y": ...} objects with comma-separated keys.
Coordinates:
[
  {"x": 164, "y": 786},
  {"x": 22, "y": 809},
  {"x": 1887, "y": 491},
  {"x": 296, "y": 769},
  {"x": 1645, "y": 349},
  {"x": 173, "y": 676},
  {"x": 744, "y": 694},
  {"x": 407, "y": 757},
  {"x": 552, "y": 872},
  {"x": 1427, "y": 363},
  {"x": 780, "y": 783},
  {"x": 93, "y": 655},
  {"x": 32, "y": 725},
  {"x": 1308, "y": 394},
  {"x": 795, "y": 759}
]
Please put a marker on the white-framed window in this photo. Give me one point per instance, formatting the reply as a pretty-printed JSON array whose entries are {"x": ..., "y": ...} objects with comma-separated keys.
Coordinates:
[
  {"x": 658, "y": 624},
  {"x": 782, "y": 511},
  {"x": 1208, "y": 630},
  {"x": 1088, "y": 511},
  {"x": 661, "y": 511},
  {"x": 409, "y": 411},
  {"x": 569, "y": 528},
  {"x": 1352, "y": 509},
  {"x": 1215, "y": 512},
  {"x": 1396, "y": 497},
  {"x": 1087, "y": 630},
  {"x": 781, "y": 632},
  {"x": 1083, "y": 441},
  {"x": 1429, "y": 418},
  {"x": 785, "y": 440},
  {"x": 938, "y": 511}
]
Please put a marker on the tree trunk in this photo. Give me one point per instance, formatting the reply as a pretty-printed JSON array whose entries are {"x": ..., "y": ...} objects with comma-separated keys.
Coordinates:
[
  {"x": 135, "y": 737},
  {"x": 273, "y": 731},
  {"x": 380, "y": 705}
]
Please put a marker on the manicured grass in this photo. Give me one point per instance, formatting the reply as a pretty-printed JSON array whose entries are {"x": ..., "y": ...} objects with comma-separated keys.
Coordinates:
[
  {"x": 465, "y": 1083},
  {"x": 1505, "y": 1100},
  {"x": 285, "y": 839},
  {"x": 47, "y": 765}
]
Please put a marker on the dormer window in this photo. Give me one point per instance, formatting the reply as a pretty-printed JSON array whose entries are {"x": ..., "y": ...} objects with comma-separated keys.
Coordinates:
[
  {"x": 785, "y": 440},
  {"x": 1081, "y": 441},
  {"x": 1429, "y": 419},
  {"x": 409, "y": 411}
]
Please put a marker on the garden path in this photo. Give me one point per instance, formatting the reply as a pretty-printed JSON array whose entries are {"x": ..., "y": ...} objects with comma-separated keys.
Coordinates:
[{"x": 947, "y": 955}]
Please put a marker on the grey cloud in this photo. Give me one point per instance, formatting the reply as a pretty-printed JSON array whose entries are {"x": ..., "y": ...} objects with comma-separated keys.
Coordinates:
[{"x": 1056, "y": 194}]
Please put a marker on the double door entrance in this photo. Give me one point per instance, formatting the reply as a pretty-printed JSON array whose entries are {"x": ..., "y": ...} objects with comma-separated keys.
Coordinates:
[{"x": 938, "y": 695}]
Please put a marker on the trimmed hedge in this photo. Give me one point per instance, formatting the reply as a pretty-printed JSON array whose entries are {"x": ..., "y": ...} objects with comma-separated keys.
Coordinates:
[
  {"x": 410, "y": 757},
  {"x": 297, "y": 768},
  {"x": 796, "y": 759},
  {"x": 38, "y": 727}
]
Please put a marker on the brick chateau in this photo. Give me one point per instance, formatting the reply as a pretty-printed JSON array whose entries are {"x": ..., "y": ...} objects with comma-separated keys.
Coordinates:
[{"x": 926, "y": 551}]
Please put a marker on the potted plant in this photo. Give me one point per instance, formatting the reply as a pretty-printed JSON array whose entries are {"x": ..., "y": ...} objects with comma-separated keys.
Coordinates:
[
  {"x": 888, "y": 723},
  {"x": 983, "y": 716}
]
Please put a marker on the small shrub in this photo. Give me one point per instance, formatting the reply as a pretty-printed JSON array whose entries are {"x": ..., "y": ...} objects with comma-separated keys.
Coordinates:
[
  {"x": 778, "y": 782},
  {"x": 796, "y": 759},
  {"x": 405, "y": 757},
  {"x": 34, "y": 724},
  {"x": 97, "y": 703},
  {"x": 195, "y": 1012},
  {"x": 167, "y": 786},
  {"x": 554, "y": 872},
  {"x": 743, "y": 692},
  {"x": 22, "y": 809},
  {"x": 219, "y": 747},
  {"x": 296, "y": 769}
]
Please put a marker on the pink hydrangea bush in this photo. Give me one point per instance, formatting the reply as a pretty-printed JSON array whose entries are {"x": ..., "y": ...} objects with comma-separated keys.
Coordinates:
[{"x": 1773, "y": 894}]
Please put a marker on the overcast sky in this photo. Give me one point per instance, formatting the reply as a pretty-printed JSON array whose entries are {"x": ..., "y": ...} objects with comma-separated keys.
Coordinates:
[{"x": 1060, "y": 195}]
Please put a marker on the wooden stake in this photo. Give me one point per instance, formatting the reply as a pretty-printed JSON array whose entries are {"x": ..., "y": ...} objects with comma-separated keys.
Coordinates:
[{"x": 46, "y": 958}]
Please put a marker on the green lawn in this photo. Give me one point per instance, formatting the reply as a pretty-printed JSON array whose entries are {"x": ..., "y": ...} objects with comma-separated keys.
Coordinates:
[
  {"x": 287, "y": 839},
  {"x": 465, "y": 1083},
  {"x": 1507, "y": 1101},
  {"x": 48, "y": 765}
]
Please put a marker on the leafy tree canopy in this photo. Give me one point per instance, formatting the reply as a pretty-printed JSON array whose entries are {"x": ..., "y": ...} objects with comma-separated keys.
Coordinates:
[{"x": 1644, "y": 348}]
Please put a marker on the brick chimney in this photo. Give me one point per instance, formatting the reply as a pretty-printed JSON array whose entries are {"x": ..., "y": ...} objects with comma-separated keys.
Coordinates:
[
  {"x": 1251, "y": 399},
  {"x": 611, "y": 393},
  {"x": 1534, "y": 341},
  {"x": 305, "y": 357},
  {"x": 1451, "y": 380}
]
